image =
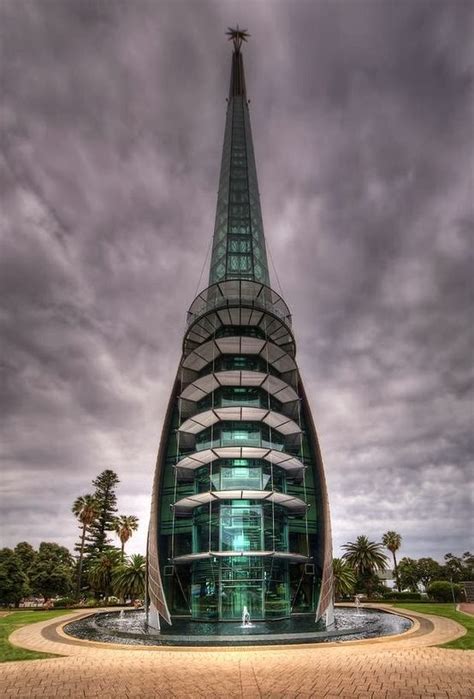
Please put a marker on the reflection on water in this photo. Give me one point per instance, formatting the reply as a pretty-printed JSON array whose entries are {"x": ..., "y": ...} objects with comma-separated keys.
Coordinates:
[{"x": 129, "y": 627}]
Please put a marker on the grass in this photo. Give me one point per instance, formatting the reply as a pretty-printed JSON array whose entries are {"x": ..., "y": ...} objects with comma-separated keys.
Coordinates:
[
  {"x": 15, "y": 620},
  {"x": 447, "y": 610}
]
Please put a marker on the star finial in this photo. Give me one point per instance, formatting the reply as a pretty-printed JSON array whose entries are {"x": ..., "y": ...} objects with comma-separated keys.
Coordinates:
[{"x": 237, "y": 36}]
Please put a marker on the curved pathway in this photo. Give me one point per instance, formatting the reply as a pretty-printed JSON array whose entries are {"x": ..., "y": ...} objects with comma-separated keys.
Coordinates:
[
  {"x": 467, "y": 608},
  {"x": 402, "y": 667}
]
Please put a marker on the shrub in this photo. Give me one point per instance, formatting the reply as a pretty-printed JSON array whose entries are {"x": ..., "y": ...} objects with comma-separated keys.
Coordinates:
[
  {"x": 93, "y": 603},
  {"x": 64, "y": 602},
  {"x": 442, "y": 591},
  {"x": 402, "y": 596}
]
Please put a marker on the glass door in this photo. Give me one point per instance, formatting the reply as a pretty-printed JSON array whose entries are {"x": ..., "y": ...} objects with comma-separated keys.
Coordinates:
[
  {"x": 241, "y": 585},
  {"x": 236, "y": 596}
]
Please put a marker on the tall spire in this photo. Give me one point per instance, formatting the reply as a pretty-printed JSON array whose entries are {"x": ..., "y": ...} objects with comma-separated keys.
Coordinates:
[{"x": 238, "y": 250}]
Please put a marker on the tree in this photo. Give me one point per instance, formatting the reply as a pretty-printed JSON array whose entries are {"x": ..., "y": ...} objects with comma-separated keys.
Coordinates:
[
  {"x": 86, "y": 509},
  {"x": 409, "y": 574},
  {"x": 49, "y": 550},
  {"x": 106, "y": 498},
  {"x": 13, "y": 580},
  {"x": 365, "y": 558},
  {"x": 344, "y": 578},
  {"x": 50, "y": 579},
  {"x": 26, "y": 554},
  {"x": 51, "y": 572},
  {"x": 125, "y": 525},
  {"x": 392, "y": 541},
  {"x": 129, "y": 578},
  {"x": 428, "y": 570},
  {"x": 468, "y": 565},
  {"x": 458, "y": 568},
  {"x": 444, "y": 591},
  {"x": 102, "y": 571}
]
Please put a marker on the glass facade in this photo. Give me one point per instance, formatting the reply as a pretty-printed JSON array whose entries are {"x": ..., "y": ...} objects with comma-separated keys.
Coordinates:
[
  {"x": 239, "y": 509},
  {"x": 224, "y": 554},
  {"x": 239, "y": 244}
]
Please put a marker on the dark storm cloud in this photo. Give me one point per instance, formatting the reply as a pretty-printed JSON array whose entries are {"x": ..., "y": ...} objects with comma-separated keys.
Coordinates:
[{"x": 113, "y": 117}]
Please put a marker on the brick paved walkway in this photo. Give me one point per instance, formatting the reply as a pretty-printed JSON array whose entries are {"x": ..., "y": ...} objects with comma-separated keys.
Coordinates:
[
  {"x": 467, "y": 607},
  {"x": 398, "y": 668}
]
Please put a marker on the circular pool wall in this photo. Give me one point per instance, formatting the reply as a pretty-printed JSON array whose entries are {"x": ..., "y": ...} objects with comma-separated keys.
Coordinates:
[{"x": 129, "y": 628}]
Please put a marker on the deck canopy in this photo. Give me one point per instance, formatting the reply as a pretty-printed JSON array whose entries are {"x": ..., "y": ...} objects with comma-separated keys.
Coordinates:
[
  {"x": 287, "y": 556},
  {"x": 186, "y": 505},
  {"x": 275, "y": 356},
  {"x": 211, "y": 324},
  {"x": 281, "y": 423},
  {"x": 201, "y": 458},
  {"x": 205, "y": 385}
]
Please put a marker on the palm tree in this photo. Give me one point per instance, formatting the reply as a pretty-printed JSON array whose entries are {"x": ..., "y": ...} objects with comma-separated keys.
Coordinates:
[
  {"x": 102, "y": 570},
  {"x": 344, "y": 578},
  {"x": 365, "y": 558},
  {"x": 129, "y": 579},
  {"x": 392, "y": 541},
  {"x": 86, "y": 509},
  {"x": 124, "y": 526}
]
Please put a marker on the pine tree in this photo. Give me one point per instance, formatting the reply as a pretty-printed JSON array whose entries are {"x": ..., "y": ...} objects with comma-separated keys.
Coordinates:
[{"x": 104, "y": 495}]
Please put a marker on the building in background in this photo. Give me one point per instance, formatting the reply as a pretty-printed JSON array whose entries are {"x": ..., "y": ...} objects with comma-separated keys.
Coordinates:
[{"x": 239, "y": 513}]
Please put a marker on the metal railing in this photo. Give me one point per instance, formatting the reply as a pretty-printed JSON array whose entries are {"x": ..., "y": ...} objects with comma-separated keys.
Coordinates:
[{"x": 235, "y": 293}]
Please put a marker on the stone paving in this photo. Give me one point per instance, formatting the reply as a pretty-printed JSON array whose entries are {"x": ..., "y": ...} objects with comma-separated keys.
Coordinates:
[
  {"x": 467, "y": 608},
  {"x": 403, "y": 667}
]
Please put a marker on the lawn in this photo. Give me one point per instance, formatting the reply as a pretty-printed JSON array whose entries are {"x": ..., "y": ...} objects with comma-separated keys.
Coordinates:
[
  {"x": 15, "y": 620},
  {"x": 465, "y": 642}
]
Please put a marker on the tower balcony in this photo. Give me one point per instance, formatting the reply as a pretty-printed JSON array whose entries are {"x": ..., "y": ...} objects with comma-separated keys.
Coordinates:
[
  {"x": 208, "y": 352},
  {"x": 236, "y": 387},
  {"x": 186, "y": 505},
  {"x": 239, "y": 303},
  {"x": 239, "y": 292},
  {"x": 203, "y": 386},
  {"x": 281, "y": 423},
  {"x": 205, "y": 555},
  {"x": 192, "y": 462}
]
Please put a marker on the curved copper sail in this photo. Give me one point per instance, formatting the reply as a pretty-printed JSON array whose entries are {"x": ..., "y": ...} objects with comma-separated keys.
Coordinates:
[{"x": 239, "y": 514}]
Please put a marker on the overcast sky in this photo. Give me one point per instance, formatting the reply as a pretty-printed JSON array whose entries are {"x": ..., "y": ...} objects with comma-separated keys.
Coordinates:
[{"x": 112, "y": 127}]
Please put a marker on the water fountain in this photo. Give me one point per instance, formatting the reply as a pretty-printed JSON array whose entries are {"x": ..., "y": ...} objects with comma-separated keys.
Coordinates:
[
  {"x": 131, "y": 628},
  {"x": 246, "y": 619}
]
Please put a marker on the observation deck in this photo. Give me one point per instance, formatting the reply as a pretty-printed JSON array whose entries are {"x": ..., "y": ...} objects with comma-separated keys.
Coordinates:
[
  {"x": 238, "y": 302},
  {"x": 235, "y": 293}
]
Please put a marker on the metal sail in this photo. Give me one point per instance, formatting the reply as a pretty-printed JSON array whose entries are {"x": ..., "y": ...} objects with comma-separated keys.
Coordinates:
[{"x": 238, "y": 250}]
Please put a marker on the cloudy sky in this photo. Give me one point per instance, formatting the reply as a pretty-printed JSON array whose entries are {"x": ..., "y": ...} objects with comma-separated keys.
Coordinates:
[{"x": 112, "y": 125}]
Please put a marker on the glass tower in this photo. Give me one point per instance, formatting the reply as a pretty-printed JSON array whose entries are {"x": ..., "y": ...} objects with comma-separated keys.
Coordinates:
[{"x": 239, "y": 513}]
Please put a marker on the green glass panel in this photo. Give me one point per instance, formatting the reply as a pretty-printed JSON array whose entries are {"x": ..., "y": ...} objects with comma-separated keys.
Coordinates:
[{"x": 237, "y": 189}]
